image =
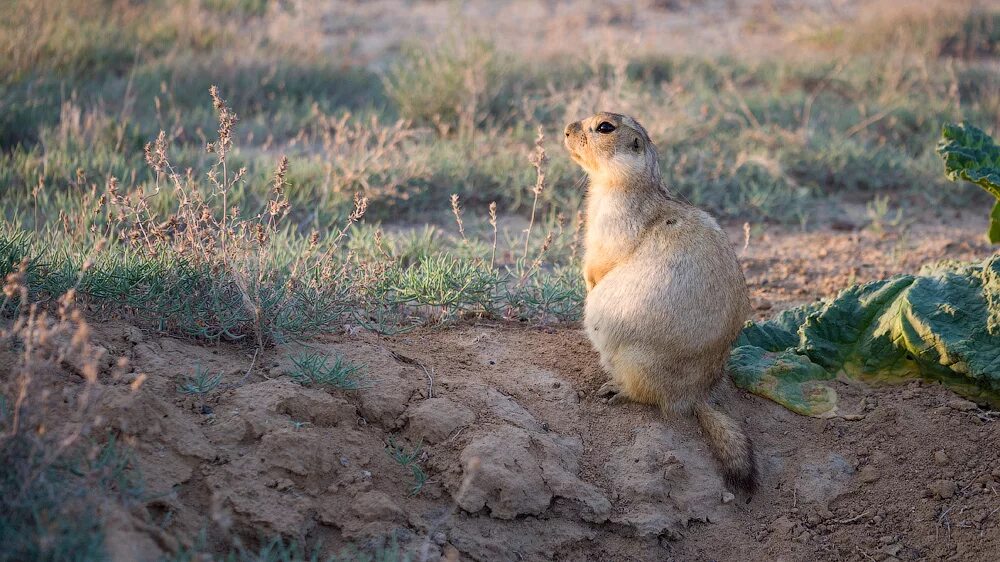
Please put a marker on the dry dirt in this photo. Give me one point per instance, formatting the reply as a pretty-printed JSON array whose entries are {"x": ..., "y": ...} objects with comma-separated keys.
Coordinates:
[{"x": 551, "y": 472}]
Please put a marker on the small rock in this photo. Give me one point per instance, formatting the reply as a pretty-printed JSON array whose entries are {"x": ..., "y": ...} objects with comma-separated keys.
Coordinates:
[
  {"x": 344, "y": 461},
  {"x": 435, "y": 419},
  {"x": 764, "y": 304},
  {"x": 962, "y": 405},
  {"x": 133, "y": 334},
  {"x": 868, "y": 474},
  {"x": 941, "y": 458},
  {"x": 727, "y": 497},
  {"x": 892, "y": 549},
  {"x": 783, "y": 526},
  {"x": 943, "y": 489},
  {"x": 450, "y": 553},
  {"x": 439, "y": 538},
  {"x": 283, "y": 484}
]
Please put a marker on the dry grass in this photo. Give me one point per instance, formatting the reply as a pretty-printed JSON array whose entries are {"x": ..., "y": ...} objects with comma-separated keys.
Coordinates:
[
  {"x": 57, "y": 471},
  {"x": 386, "y": 191}
]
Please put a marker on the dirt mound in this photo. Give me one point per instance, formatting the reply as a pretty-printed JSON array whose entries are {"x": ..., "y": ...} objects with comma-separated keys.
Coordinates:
[{"x": 522, "y": 462}]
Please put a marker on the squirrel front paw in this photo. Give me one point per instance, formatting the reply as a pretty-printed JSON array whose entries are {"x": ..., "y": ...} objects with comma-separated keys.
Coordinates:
[{"x": 611, "y": 391}]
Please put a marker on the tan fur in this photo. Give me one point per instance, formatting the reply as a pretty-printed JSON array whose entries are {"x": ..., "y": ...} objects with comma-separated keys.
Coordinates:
[{"x": 666, "y": 294}]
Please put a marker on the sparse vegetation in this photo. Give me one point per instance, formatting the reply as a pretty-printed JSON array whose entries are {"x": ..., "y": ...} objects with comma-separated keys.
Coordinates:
[
  {"x": 200, "y": 385},
  {"x": 409, "y": 460},
  {"x": 316, "y": 369},
  {"x": 212, "y": 170}
]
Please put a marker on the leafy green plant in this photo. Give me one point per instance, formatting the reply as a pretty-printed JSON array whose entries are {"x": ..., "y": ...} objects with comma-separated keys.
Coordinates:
[
  {"x": 970, "y": 154},
  {"x": 879, "y": 213},
  {"x": 200, "y": 384},
  {"x": 316, "y": 369},
  {"x": 411, "y": 460},
  {"x": 941, "y": 324}
]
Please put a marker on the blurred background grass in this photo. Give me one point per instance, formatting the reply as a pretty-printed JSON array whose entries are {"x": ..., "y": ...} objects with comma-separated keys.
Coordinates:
[{"x": 853, "y": 111}]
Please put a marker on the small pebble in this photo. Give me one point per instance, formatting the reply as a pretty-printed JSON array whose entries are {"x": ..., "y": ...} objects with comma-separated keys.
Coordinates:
[
  {"x": 943, "y": 489},
  {"x": 962, "y": 405},
  {"x": 892, "y": 549},
  {"x": 727, "y": 497},
  {"x": 941, "y": 458},
  {"x": 868, "y": 474}
]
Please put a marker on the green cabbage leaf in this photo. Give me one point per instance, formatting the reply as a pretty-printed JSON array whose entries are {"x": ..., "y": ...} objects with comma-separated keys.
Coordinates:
[{"x": 942, "y": 324}]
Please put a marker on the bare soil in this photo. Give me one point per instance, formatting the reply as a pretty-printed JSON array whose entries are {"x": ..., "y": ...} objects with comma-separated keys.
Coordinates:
[{"x": 550, "y": 471}]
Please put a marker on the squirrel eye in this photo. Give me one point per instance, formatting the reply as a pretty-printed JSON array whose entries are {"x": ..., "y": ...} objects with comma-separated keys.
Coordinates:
[{"x": 605, "y": 127}]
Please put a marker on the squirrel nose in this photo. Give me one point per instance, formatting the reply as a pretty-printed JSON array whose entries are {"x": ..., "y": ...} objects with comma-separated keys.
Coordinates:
[{"x": 572, "y": 127}]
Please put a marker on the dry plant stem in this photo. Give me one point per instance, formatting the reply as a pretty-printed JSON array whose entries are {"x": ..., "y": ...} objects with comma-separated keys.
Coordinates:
[
  {"x": 41, "y": 339},
  {"x": 537, "y": 160},
  {"x": 741, "y": 102},
  {"x": 577, "y": 230},
  {"x": 865, "y": 123},
  {"x": 360, "y": 206},
  {"x": 811, "y": 98},
  {"x": 471, "y": 471},
  {"x": 537, "y": 263},
  {"x": 493, "y": 223},
  {"x": 458, "y": 214}
]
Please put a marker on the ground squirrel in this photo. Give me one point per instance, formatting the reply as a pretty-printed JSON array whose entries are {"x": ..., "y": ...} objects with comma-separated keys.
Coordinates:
[{"x": 666, "y": 296}]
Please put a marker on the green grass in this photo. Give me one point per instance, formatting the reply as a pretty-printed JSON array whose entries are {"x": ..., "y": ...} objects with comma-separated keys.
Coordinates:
[
  {"x": 315, "y": 369},
  {"x": 409, "y": 460}
]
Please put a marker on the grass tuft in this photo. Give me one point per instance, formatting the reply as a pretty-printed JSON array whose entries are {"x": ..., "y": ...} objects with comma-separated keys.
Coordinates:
[{"x": 313, "y": 369}]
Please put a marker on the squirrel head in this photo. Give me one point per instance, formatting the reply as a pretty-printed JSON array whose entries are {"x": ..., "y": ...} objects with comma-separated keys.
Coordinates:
[{"x": 614, "y": 150}]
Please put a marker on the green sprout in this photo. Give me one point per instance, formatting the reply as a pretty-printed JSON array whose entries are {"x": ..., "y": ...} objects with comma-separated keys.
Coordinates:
[
  {"x": 409, "y": 459},
  {"x": 316, "y": 369},
  {"x": 200, "y": 384}
]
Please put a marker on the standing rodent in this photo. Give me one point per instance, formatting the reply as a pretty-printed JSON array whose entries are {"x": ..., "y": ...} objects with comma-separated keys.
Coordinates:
[{"x": 666, "y": 297}]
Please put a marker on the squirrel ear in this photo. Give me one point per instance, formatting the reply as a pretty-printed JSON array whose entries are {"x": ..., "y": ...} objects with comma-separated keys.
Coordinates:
[{"x": 635, "y": 143}]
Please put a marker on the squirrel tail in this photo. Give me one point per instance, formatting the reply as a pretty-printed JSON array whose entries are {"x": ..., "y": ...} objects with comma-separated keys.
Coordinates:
[{"x": 731, "y": 446}]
